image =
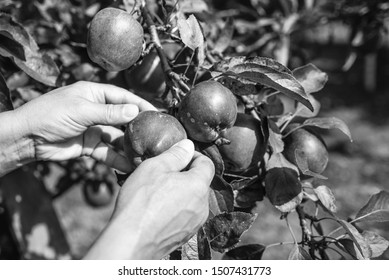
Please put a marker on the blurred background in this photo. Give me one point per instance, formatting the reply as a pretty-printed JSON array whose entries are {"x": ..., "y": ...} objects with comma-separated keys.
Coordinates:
[{"x": 346, "y": 39}]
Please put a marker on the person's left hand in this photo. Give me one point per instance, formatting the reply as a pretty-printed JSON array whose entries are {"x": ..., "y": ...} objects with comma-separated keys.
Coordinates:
[{"x": 78, "y": 120}]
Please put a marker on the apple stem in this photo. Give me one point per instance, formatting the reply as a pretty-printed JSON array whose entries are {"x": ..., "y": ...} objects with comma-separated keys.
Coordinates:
[{"x": 172, "y": 79}]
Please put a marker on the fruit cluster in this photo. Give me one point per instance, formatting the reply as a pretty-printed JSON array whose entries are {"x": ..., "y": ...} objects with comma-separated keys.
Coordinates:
[{"x": 208, "y": 113}]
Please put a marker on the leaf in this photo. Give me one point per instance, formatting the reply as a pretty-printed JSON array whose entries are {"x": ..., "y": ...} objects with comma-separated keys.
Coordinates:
[
  {"x": 245, "y": 252},
  {"x": 310, "y": 77},
  {"x": 243, "y": 183},
  {"x": 298, "y": 253},
  {"x": 375, "y": 210},
  {"x": 326, "y": 197},
  {"x": 225, "y": 36},
  {"x": 203, "y": 247},
  {"x": 358, "y": 240},
  {"x": 189, "y": 251},
  {"x": 5, "y": 97},
  {"x": 264, "y": 71},
  {"x": 221, "y": 197},
  {"x": 8, "y": 43},
  {"x": 282, "y": 185},
  {"x": 190, "y": 31},
  {"x": 212, "y": 151},
  {"x": 247, "y": 198},
  {"x": 349, "y": 247},
  {"x": 39, "y": 66},
  {"x": 377, "y": 243},
  {"x": 302, "y": 111},
  {"x": 224, "y": 230},
  {"x": 302, "y": 163},
  {"x": 329, "y": 123}
]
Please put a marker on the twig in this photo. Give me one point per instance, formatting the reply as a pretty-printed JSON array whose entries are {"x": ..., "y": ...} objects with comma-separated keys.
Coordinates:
[
  {"x": 303, "y": 224},
  {"x": 172, "y": 79},
  {"x": 290, "y": 230}
]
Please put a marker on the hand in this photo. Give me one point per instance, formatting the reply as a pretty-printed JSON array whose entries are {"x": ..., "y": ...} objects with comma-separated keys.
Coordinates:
[
  {"x": 159, "y": 207},
  {"x": 62, "y": 123}
]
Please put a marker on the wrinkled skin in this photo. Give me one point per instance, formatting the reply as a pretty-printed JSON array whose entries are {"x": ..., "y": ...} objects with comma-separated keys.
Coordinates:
[
  {"x": 114, "y": 39},
  {"x": 150, "y": 134},
  {"x": 207, "y": 111},
  {"x": 247, "y": 145},
  {"x": 311, "y": 144},
  {"x": 148, "y": 79}
]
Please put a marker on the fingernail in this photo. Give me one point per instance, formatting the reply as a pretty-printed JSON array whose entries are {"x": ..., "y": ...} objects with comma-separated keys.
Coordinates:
[
  {"x": 185, "y": 144},
  {"x": 131, "y": 110}
]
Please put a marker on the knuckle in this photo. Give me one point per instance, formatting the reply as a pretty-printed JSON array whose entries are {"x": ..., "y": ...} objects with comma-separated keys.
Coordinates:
[{"x": 110, "y": 113}]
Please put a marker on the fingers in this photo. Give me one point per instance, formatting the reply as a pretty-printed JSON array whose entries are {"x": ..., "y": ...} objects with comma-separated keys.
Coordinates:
[
  {"x": 110, "y": 114},
  {"x": 110, "y": 94},
  {"x": 202, "y": 168},
  {"x": 176, "y": 158},
  {"x": 108, "y": 156},
  {"x": 98, "y": 142}
]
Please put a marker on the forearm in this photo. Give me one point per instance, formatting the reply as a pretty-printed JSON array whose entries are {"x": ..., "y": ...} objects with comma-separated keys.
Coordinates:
[{"x": 16, "y": 147}]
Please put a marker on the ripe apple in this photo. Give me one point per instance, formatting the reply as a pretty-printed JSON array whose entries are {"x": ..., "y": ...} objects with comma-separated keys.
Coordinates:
[
  {"x": 247, "y": 145},
  {"x": 310, "y": 143},
  {"x": 207, "y": 110},
  {"x": 114, "y": 39},
  {"x": 150, "y": 134}
]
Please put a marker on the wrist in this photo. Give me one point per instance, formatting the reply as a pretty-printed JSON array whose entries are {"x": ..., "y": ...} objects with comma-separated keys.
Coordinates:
[
  {"x": 16, "y": 145},
  {"x": 121, "y": 239}
]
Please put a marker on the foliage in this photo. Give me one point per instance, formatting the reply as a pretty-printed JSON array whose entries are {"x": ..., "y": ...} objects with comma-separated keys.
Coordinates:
[{"x": 246, "y": 46}]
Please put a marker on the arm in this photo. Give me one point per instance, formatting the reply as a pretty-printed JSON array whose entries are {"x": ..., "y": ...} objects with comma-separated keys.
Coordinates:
[
  {"x": 69, "y": 122},
  {"x": 159, "y": 207}
]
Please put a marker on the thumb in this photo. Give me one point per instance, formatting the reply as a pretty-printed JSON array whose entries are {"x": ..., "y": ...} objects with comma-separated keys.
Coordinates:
[
  {"x": 110, "y": 114},
  {"x": 177, "y": 157}
]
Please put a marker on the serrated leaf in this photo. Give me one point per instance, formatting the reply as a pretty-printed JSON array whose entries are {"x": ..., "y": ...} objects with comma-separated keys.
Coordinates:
[
  {"x": 377, "y": 243},
  {"x": 326, "y": 197},
  {"x": 302, "y": 163},
  {"x": 310, "y": 77},
  {"x": 39, "y": 66},
  {"x": 329, "y": 123},
  {"x": 282, "y": 185},
  {"x": 267, "y": 72},
  {"x": 298, "y": 253},
  {"x": 375, "y": 210},
  {"x": 239, "y": 87},
  {"x": 5, "y": 98},
  {"x": 221, "y": 198},
  {"x": 245, "y": 252},
  {"x": 190, "y": 31},
  {"x": 224, "y": 230},
  {"x": 212, "y": 151},
  {"x": 225, "y": 37},
  {"x": 189, "y": 251},
  {"x": 230, "y": 64},
  {"x": 203, "y": 247}
]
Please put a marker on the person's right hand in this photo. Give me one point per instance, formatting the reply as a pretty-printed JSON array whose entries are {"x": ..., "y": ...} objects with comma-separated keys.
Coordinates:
[{"x": 159, "y": 207}]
